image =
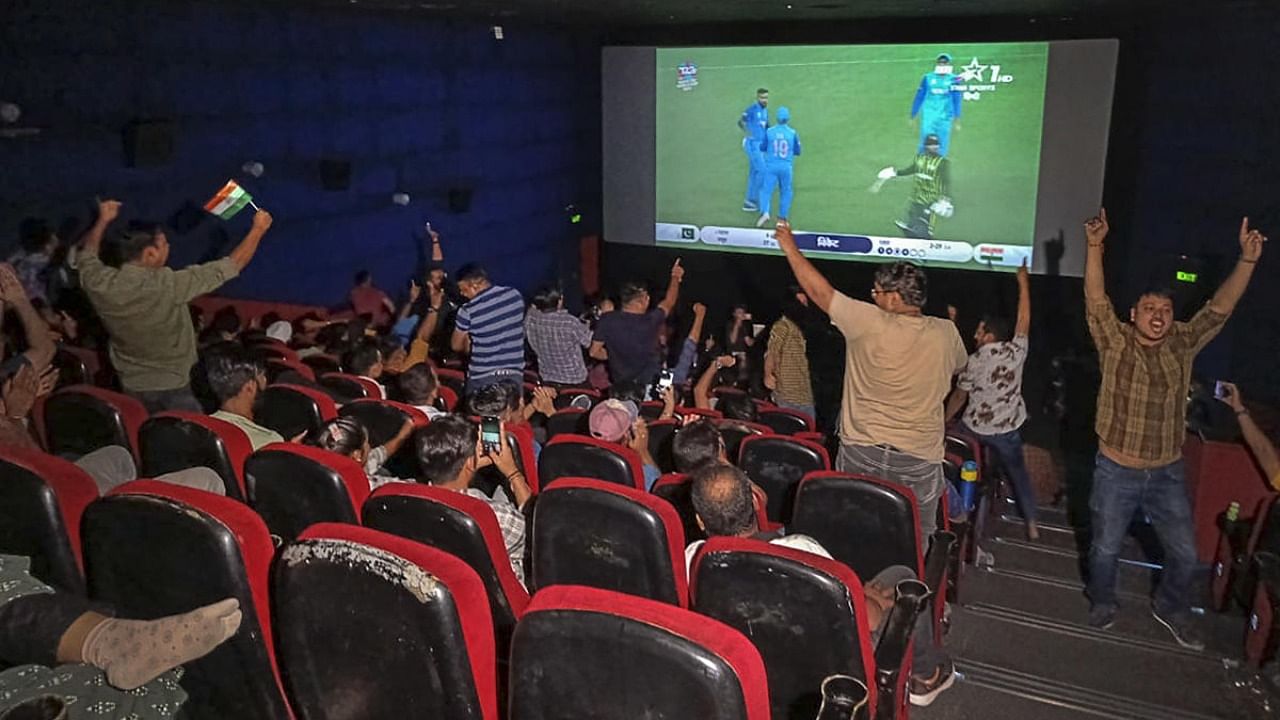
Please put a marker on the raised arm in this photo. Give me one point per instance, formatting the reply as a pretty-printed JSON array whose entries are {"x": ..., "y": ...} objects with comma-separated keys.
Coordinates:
[
  {"x": 1095, "y": 233},
  {"x": 40, "y": 346},
  {"x": 673, "y": 289},
  {"x": 108, "y": 211},
  {"x": 702, "y": 391},
  {"x": 813, "y": 283},
  {"x": 1229, "y": 293},
  {"x": 415, "y": 292},
  {"x": 437, "y": 253},
  {"x": 244, "y": 252},
  {"x": 1022, "y": 327},
  {"x": 1257, "y": 440}
]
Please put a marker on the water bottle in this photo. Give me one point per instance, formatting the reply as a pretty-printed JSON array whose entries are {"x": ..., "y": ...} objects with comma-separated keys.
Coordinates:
[
  {"x": 842, "y": 696},
  {"x": 1233, "y": 512},
  {"x": 969, "y": 484}
]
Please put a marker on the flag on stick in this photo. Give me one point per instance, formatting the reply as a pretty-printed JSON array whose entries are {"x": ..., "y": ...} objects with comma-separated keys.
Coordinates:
[{"x": 228, "y": 201}]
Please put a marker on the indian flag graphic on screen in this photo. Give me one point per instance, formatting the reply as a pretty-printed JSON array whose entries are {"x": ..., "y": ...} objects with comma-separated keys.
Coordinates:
[{"x": 228, "y": 201}]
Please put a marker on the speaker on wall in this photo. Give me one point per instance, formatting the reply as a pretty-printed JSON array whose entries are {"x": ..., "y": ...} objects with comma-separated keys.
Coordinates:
[
  {"x": 147, "y": 142},
  {"x": 459, "y": 199},
  {"x": 335, "y": 173}
]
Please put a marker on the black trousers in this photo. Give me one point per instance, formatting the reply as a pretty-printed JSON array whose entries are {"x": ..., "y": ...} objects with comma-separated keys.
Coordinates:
[{"x": 31, "y": 626}]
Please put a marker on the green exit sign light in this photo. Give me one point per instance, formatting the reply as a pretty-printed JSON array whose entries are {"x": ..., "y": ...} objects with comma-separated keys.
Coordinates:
[{"x": 1187, "y": 277}]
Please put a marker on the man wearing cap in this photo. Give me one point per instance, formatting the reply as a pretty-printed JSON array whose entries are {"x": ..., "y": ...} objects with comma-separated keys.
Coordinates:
[
  {"x": 619, "y": 421},
  {"x": 781, "y": 144},
  {"x": 937, "y": 102}
]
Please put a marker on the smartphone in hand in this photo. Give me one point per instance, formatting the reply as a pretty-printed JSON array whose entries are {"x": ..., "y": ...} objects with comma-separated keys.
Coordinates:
[{"x": 490, "y": 434}]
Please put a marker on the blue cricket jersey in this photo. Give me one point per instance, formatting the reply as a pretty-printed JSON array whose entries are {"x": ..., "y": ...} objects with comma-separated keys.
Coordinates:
[
  {"x": 938, "y": 96},
  {"x": 781, "y": 144},
  {"x": 755, "y": 120}
]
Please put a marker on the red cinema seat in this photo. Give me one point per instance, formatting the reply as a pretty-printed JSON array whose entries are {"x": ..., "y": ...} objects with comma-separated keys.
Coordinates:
[
  {"x": 580, "y": 456},
  {"x": 81, "y": 418},
  {"x": 153, "y": 549},
  {"x": 581, "y": 652},
  {"x": 42, "y": 498},
  {"x": 294, "y": 486},
  {"x": 777, "y": 463},
  {"x": 372, "y": 625},
  {"x": 294, "y": 409},
  {"x": 569, "y": 421},
  {"x": 173, "y": 441},
  {"x": 786, "y": 422},
  {"x": 600, "y": 534},
  {"x": 351, "y": 386}
]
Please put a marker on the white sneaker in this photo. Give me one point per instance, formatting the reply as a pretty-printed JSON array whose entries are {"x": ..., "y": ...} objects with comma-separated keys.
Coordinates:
[{"x": 763, "y": 219}]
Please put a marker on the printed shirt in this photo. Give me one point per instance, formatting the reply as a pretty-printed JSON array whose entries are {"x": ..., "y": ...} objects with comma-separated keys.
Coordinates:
[
  {"x": 787, "y": 344},
  {"x": 993, "y": 379},
  {"x": 153, "y": 343},
  {"x": 495, "y": 321},
  {"x": 1143, "y": 395},
  {"x": 558, "y": 339},
  {"x": 511, "y": 522},
  {"x": 898, "y": 371}
]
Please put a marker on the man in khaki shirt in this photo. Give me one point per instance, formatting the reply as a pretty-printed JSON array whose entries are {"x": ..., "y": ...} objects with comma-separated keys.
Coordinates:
[
  {"x": 897, "y": 374},
  {"x": 143, "y": 305},
  {"x": 1141, "y": 423}
]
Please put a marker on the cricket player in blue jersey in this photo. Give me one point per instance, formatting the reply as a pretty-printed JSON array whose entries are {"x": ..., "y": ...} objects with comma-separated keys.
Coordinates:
[
  {"x": 781, "y": 145},
  {"x": 938, "y": 104},
  {"x": 753, "y": 123}
]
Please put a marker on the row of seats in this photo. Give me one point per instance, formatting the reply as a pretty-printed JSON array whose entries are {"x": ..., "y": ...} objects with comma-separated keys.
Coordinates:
[
  {"x": 1246, "y": 573},
  {"x": 365, "y": 616}
]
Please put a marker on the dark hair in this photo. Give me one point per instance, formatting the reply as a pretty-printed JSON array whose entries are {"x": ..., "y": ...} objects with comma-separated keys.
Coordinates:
[
  {"x": 360, "y": 359},
  {"x": 269, "y": 319},
  {"x": 229, "y": 366},
  {"x": 226, "y": 320},
  {"x": 905, "y": 279},
  {"x": 761, "y": 91},
  {"x": 444, "y": 446},
  {"x": 333, "y": 338},
  {"x": 999, "y": 326},
  {"x": 631, "y": 291},
  {"x": 494, "y": 399},
  {"x": 626, "y": 390},
  {"x": 471, "y": 272},
  {"x": 130, "y": 245},
  {"x": 343, "y": 435},
  {"x": 35, "y": 234},
  {"x": 418, "y": 384},
  {"x": 722, "y": 498},
  {"x": 697, "y": 444},
  {"x": 362, "y": 277},
  {"x": 1159, "y": 291},
  {"x": 547, "y": 298},
  {"x": 735, "y": 406}
]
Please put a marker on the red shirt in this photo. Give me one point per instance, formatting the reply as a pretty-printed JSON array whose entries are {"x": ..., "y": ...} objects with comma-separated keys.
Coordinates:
[{"x": 369, "y": 300}]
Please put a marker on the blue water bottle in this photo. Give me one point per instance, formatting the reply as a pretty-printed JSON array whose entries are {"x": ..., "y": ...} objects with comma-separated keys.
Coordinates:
[{"x": 969, "y": 484}]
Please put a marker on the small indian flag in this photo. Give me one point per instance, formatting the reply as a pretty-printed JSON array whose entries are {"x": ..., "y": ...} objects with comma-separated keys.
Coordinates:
[{"x": 228, "y": 201}]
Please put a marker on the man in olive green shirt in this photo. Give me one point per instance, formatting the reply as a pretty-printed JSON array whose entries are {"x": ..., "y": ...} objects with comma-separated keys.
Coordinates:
[{"x": 143, "y": 305}]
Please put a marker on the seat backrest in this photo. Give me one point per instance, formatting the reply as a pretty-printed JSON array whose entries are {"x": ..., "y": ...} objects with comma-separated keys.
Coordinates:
[
  {"x": 383, "y": 418},
  {"x": 347, "y": 385},
  {"x": 172, "y": 441},
  {"x": 786, "y": 422},
  {"x": 864, "y": 522},
  {"x": 82, "y": 418},
  {"x": 777, "y": 463},
  {"x": 582, "y": 456},
  {"x": 294, "y": 486},
  {"x": 804, "y": 613},
  {"x": 586, "y": 653},
  {"x": 569, "y": 421},
  {"x": 1266, "y": 534},
  {"x": 404, "y": 627},
  {"x": 72, "y": 369},
  {"x": 700, "y": 412},
  {"x": 446, "y": 399},
  {"x": 41, "y": 500},
  {"x": 566, "y": 396},
  {"x": 461, "y": 525},
  {"x": 293, "y": 409},
  {"x": 154, "y": 549},
  {"x": 322, "y": 363},
  {"x": 677, "y": 489},
  {"x": 277, "y": 367},
  {"x": 455, "y": 380},
  {"x": 662, "y": 434},
  {"x": 600, "y": 534},
  {"x": 735, "y": 431}
]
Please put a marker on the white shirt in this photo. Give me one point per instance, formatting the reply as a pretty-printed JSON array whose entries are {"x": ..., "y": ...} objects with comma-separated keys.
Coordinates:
[{"x": 795, "y": 542}]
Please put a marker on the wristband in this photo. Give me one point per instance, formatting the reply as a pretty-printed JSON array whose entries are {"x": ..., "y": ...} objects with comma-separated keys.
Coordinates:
[
  {"x": 1251, "y": 262},
  {"x": 1244, "y": 411}
]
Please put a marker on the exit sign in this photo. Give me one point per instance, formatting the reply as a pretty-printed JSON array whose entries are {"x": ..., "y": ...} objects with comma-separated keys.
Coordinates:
[{"x": 1187, "y": 277}]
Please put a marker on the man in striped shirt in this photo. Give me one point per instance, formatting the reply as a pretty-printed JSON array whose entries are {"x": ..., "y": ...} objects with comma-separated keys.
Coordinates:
[{"x": 489, "y": 328}]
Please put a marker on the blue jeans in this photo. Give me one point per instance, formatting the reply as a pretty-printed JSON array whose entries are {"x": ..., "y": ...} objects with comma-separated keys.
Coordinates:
[
  {"x": 1118, "y": 492},
  {"x": 1008, "y": 447}
]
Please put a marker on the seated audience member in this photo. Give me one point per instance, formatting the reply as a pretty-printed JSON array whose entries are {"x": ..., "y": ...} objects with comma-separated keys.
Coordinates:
[
  {"x": 394, "y": 356},
  {"x": 40, "y": 346},
  {"x": 506, "y": 402},
  {"x": 738, "y": 407},
  {"x": 224, "y": 327},
  {"x": 628, "y": 338},
  {"x": 43, "y": 626},
  {"x": 143, "y": 304},
  {"x": 32, "y": 262},
  {"x": 489, "y": 328},
  {"x": 1258, "y": 442},
  {"x": 420, "y": 387},
  {"x": 724, "y": 506},
  {"x": 365, "y": 361},
  {"x": 237, "y": 381},
  {"x": 697, "y": 445},
  {"x": 368, "y": 301},
  {"x": 786, "y": 364},
  {"x": 619, "y": 422},
  {"x": 281, "y": 330},
  {"x": 557, "y": 338},
  {"x": 449, "y": 453},
  {"x": 348, "y": 437}
]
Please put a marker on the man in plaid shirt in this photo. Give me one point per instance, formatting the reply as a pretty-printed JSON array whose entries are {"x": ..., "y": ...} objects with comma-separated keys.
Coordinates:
[
  {"x": 1146, "y": 371},
  {"x": 450, "y": 453},
  {"x": 557, "y": 338}
]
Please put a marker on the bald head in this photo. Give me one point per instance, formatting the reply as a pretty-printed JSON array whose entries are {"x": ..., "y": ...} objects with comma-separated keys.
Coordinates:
[{"x": 722, "y": 498}]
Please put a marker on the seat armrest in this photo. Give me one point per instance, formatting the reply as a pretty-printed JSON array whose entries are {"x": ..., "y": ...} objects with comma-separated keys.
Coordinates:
[
  {"x": 936, "y": 561},
  {"x": 893, "y": 653}
]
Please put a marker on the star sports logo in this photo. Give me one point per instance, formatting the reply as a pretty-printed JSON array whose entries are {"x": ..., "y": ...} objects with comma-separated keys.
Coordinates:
[
  {"x": 686, "y": 76},
  {"x": 977, "y": 78}
]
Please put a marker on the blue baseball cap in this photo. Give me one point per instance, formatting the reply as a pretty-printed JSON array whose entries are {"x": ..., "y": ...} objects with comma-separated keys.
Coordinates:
[
  {"x": 784, "y": 114},
  {"x": 944, "y": 58}
]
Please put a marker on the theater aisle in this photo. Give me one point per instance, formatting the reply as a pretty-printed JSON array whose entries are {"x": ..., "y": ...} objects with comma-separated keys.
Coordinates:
[{"x": 1024, "y": 649}]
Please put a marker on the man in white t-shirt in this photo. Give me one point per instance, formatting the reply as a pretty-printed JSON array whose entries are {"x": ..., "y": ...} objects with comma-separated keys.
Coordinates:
[{"x": 992, "y": 385}]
